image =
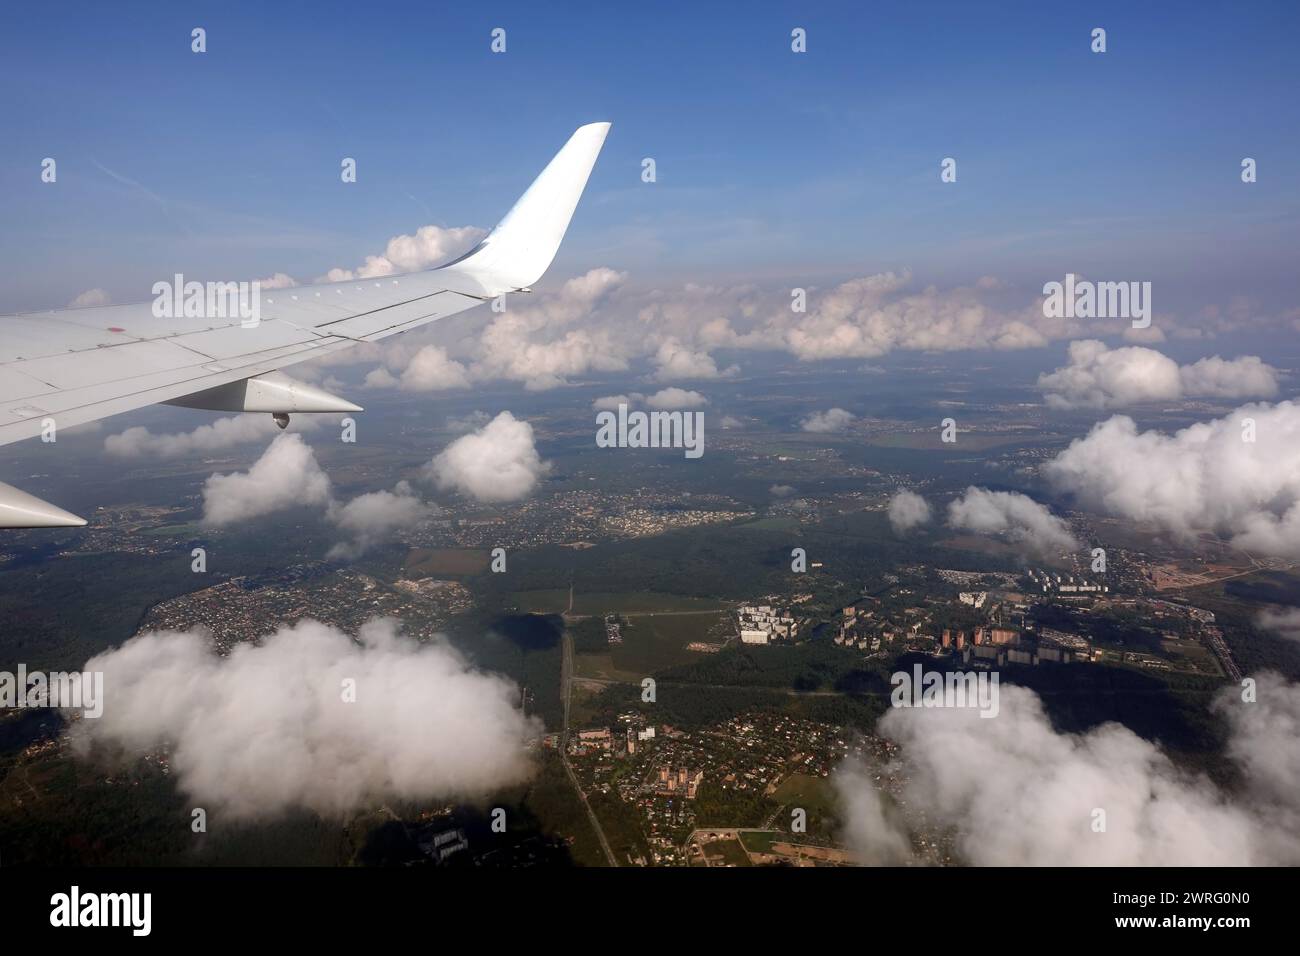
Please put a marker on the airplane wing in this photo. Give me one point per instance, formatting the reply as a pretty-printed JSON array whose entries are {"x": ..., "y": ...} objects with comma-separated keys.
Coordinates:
[{"x": 79, "y": 365}]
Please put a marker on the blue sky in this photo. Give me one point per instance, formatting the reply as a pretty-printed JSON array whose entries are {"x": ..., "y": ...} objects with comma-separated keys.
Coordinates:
[{"x": 772, "y": 166}]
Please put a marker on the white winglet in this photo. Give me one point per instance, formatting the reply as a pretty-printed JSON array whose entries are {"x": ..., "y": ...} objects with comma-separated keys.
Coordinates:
[{"x": 520, "y": 249}]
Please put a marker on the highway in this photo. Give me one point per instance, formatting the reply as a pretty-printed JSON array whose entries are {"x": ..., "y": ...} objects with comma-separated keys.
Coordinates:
[{"x": 566, "y": 692}]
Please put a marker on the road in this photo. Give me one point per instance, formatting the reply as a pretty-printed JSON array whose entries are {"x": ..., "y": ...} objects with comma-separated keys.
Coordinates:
[
  {"x": 570, "y": 616},
  {"x": 788, "y": 691},
  {"x": 566, "y": 693}
]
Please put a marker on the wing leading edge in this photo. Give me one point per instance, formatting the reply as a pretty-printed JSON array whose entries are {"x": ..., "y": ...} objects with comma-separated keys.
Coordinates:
[{"x": 79, "y": 365}]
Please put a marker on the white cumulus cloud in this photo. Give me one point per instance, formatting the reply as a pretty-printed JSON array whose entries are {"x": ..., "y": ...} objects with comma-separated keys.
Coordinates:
[
  {"x": 1018, "y": 793},
  {"x": 1283, "y": 621},
  {"x": 670, "y": 399},
  {"x": 431, "y": 370},
  {"x": 277, "y": 281},
  {"x": 1207, "y": 477},
  {"x": 286, "y": 476},
  {"x": 372, "y": 518},
  {"x": 542, "y": 342},
  {"x": 610, "y": 403},
  {"x": 499, "y": 462},
  {"x": 268, "y": 729},
  {"x": 1019, "y": 517},
  {"x": 428, "y": 247},
  {"x": 675, "y": 362},
  {"x": 831, "y": 420},
  {"x": 1102, "y": 377},
  {"x": 90, "y": 298},
  {"x": 907, "y": 510}
]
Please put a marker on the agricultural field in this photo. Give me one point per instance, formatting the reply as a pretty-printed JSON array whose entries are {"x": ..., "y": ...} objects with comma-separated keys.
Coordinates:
[
  {"x": 556, "y": 601},
  {"x": 652, "y": 643},
  {"x": 439, "y": 562},
  {"x": 802, "y": 790}
]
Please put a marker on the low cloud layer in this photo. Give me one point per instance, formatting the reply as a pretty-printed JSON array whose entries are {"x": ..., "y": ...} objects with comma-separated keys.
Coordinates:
[
  {"x": 1018, "y": 793},
  {"x": 1101, "y": 377},
  {"x": 1238, "y": 476},
  {"x": 428, "y": 247},
  {"x": 1017, "y": 516},
  {"x": 268, "y": 729},
  {"x": 91, "y": 298},
  {"x": 468, "y": 423},
  {"x": 497, "y": 463},
  {"x": 907, "y": 510},
  {"x": 1284, "y": 621},
  {"x": 599, "y": 322},
  {"x": 676, "y": 362},
  {"x": 544, "y": 342},
  {"x": 428, "y": 370},
  {"x": 219, "y": 435},
  {"x": 876, "y": 315}
]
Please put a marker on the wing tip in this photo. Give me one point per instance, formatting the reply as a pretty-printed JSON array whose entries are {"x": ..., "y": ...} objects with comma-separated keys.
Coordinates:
[
  {"x": 596, "y": 132},
  {"x": 517, "y": 253},
  {"x": 18, "y": 509}
]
